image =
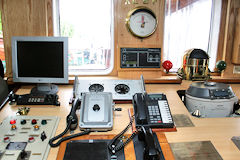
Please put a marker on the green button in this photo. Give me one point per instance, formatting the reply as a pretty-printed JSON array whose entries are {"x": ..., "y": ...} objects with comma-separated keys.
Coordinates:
[{"x": 44, "y": 121}]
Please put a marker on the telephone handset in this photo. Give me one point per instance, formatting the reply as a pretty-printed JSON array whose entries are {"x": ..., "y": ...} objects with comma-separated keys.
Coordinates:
[
  {"x": 152, "y": 110},
  {"x": 151, "y": 151},
  {"x": 140, "y": 108}
]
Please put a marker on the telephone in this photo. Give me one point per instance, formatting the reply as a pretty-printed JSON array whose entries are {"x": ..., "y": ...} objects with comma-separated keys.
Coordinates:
[
  {"x": 151, "y": 149},
  {"x": 152, "y": 110}
]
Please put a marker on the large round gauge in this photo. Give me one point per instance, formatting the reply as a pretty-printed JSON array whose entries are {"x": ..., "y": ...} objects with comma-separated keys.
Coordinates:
[
  {"x": 141, "y": 22},
  {"x": 96, "y": 88},
  {"x": 122, "y": 89}
]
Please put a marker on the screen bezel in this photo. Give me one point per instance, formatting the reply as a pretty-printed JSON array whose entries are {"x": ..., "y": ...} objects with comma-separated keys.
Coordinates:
[{"x": 17, "y": 78}]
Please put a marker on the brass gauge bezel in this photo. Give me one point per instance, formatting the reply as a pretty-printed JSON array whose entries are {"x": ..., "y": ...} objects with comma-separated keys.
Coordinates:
[{"x": 136, "y": 10}]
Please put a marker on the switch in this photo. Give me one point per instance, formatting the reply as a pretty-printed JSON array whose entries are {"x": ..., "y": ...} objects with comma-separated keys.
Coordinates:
[
  {"x": 13, "y": 121},
  {"x": 36, "y": 127},
  {"x": 96, "y": 107},
  {"x": 13, "y": 127},
  {"x": 6, "y": 139},
  {"x": 23, "y": 122},
  {"x": 31, "y": 139},
  {"x": 23, "y": 154},
  {"x": 44, "y": 122},
  {"x": 34, "y": 121},
  {"x": 43, "y": 136}
]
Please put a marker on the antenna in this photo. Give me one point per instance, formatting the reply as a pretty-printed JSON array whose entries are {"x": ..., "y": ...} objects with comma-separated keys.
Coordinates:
[
  {"x": 75, "y": 86},
  {"x": 143, "y": 84}
]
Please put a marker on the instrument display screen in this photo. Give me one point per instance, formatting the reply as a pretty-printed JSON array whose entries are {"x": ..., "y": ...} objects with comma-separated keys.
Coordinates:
[{"x": 140, "y": 57}]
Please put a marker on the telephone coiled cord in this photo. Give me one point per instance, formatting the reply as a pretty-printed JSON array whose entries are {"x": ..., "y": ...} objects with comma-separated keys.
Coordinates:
[
  {"x": 112, "y": 146},
  {"x": 66, "y": 138}
]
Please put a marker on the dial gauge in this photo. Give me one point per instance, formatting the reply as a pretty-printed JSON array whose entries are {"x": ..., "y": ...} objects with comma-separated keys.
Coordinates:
[
  {"x": 141, "y": 22},
  {"x": 96, "y": 88},
  {"x": 122, "y": 89}
]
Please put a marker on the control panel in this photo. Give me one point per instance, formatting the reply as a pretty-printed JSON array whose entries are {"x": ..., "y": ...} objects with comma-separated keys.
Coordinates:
[
  {"x": 26, "y": 137},
  {"x": 35, "y": 99},
  {"x": 159, "y": 111},
  {"x": 140, "y": 57},
  {"x": 120, "y": 89},
  {"x": 221, "y": 93}
]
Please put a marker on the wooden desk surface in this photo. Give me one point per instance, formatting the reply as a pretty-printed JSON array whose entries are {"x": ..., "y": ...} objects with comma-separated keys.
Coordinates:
[{"x": 217, "y": 130}]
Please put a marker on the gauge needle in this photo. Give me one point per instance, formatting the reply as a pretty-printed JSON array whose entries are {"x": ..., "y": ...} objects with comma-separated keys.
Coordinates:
[{"x": 143, "y": 23}]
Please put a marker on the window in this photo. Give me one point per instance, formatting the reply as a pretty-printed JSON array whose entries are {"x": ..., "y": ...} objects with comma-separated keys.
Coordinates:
[
  {"x": 191, "y": 24},
  {"x": 89, "y": 26},
  {"x": 2, "y": 54}
]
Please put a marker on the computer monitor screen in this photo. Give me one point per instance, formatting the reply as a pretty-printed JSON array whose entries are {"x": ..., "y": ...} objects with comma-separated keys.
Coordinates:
[{"x": 41, "y": 60}]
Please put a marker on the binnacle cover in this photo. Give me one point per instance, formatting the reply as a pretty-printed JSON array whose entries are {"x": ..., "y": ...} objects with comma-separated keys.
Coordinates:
[{"x": 96, "y": 112}]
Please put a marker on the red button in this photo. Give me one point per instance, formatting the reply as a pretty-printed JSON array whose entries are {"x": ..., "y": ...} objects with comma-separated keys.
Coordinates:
[
  {"x": 6, "y": 139},
  {"x": 13, "y": 121},
  {"x": 34, "y": 121},
  {"x": 31, "y": 139},
  {"x": 159, "y": 121}
]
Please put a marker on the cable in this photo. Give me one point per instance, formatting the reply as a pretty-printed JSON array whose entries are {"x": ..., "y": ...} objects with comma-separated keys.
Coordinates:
[
  {"x": 58, "y": 136},
  {"x": 66, "y": 138},
  {"x": 72, "y": 120},
  {"x": 114, "y": 147}
]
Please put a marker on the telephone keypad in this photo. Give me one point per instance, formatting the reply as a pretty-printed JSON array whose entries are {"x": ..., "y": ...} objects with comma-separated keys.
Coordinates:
[{"x": 154, "y": 114}]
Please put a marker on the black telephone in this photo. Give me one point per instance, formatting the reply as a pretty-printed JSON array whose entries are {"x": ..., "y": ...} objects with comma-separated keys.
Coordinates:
[{"x": 152, "y": 110}]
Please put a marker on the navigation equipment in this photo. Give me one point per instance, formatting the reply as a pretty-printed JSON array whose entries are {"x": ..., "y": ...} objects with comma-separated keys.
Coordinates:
[{"x": 41, "y": 60}]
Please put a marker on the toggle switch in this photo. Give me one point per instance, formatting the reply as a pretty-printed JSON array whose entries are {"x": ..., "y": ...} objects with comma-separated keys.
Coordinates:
[{"x": 43, "y": 136}]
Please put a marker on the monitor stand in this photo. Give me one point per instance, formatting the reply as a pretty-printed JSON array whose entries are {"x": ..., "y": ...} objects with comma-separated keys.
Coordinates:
[{"x": 45, "y": 89}]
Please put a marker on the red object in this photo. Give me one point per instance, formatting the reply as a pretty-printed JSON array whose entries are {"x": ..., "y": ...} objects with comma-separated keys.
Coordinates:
[
  {"x": 167, "y": 65},
  {"x": 13, "y": 121},
  {"x": 34, "y": 121},
  {"x": 31, "y": 139},
  {"x": 6, "y": 139}
]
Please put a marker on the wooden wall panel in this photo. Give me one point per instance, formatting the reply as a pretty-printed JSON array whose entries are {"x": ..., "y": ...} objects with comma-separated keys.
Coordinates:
[
  {"x": 231, "y": 21},
  {"x": 49, "y": 17},
  {"x": 22, "y": 18},
  {"x": 222, "y": 30},
  {"x": 236, "y": 44},
  {"x": 126, "y": 39}
]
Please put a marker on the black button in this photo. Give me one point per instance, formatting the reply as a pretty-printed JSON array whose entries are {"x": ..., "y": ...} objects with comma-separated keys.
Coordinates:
[
  {"x": 96, "y": 107},
  {"x": 23, "y": 121}
]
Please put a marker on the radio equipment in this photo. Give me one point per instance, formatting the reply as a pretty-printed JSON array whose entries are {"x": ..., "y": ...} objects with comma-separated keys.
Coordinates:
[{"x": 140, "y": 57}]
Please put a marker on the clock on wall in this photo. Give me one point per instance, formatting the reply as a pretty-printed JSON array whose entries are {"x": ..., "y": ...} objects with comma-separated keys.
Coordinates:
[{"x": 141, "y": 22}]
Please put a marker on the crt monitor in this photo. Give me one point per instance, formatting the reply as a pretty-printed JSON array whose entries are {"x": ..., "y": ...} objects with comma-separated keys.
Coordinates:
[{"x": 41, "y": 60}]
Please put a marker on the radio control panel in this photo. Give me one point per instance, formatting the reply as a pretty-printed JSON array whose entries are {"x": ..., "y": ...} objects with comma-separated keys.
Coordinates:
[{"x": 140, "y": 57}]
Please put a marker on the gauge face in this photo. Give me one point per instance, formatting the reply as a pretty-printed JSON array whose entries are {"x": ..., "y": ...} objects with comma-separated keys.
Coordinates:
[
  {"x": 122, "y": 89},
  {"x": 141, "y": 22},
  {"x": 96, "y": 88}
]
